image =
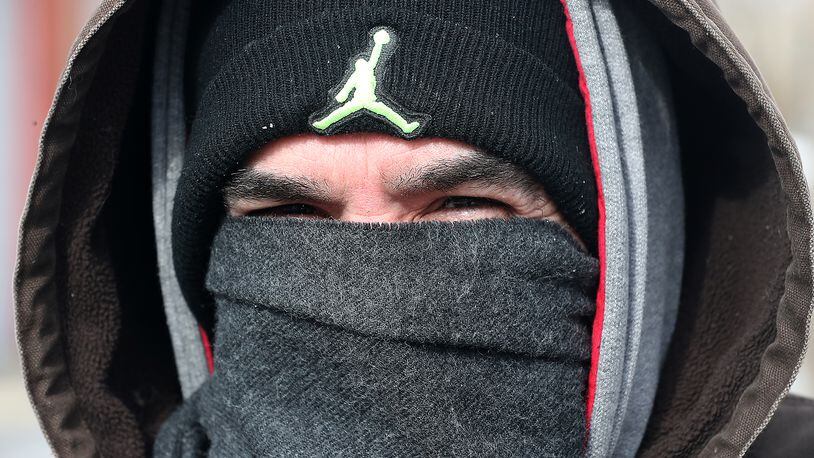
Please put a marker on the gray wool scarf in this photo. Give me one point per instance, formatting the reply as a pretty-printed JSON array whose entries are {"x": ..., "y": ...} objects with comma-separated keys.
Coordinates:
[{"x": 409, "y": 339}]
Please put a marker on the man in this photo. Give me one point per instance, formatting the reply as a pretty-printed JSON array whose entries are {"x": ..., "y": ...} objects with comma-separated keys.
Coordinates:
[
  {"x": 416, "y": 228},
  {"x": 489, "y": 333}
]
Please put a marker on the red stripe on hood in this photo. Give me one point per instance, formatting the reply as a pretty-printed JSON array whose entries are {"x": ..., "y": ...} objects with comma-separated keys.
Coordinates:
[
  {"x": 210, "y": 360},
  {"x": 596, "y": 336}
]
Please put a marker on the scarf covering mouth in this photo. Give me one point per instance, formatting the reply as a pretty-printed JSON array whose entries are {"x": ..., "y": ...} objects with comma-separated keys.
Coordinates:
[{"x": 409, "y": 339}]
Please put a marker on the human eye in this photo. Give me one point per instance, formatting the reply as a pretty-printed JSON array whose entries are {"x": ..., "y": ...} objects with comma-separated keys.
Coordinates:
[
  {"x": 466, "y": 202},
  {"x": 295, "y": 210},
  {"x": 468, "y": 207}
]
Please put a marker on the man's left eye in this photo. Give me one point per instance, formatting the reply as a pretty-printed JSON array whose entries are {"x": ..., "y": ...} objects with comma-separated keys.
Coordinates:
[
  {"x": 456, "y": 202},
  {"x": 289, "y": 210}
]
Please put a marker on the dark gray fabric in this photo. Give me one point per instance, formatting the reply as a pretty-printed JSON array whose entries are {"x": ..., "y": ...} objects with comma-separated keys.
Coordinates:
[
  {"x": 467, "y": 338},
  {"x": 664, "y": 232},
  {"x": 789, "y": 434}
]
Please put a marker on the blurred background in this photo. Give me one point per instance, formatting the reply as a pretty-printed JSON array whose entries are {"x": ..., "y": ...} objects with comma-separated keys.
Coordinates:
[{"x": 35, "y": 36}]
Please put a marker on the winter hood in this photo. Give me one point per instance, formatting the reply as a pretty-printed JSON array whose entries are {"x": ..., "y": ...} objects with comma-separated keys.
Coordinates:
[{"x": 110, "y": 349}]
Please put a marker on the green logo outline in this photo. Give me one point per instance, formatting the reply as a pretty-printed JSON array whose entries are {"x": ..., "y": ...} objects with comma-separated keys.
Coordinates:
[{"x": 359, "y": 93}]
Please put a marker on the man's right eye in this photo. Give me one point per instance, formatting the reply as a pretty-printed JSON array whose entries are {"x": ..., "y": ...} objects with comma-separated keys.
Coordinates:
[{"x": 289, "y": 210}]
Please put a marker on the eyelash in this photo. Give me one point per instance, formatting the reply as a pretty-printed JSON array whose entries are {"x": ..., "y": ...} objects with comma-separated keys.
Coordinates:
[
  {"x": 468, "y": 201},
  {"x": 280, "y": 211},
  {"x": 449, "y": 203}
]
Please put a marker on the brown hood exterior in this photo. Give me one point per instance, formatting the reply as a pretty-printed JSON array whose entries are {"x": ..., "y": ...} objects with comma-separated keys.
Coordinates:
[{"x": 96, "y": 351}]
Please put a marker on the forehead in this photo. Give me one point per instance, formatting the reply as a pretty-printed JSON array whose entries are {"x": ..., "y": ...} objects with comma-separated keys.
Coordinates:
[{"x": 354, "y": 153}]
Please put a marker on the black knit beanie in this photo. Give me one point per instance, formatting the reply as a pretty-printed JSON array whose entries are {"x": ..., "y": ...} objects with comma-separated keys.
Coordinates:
[{"x": 499, "y": 76}]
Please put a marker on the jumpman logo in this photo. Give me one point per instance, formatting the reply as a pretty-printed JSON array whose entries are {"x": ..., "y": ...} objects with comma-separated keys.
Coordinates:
[{"x": 362, "y": 82}]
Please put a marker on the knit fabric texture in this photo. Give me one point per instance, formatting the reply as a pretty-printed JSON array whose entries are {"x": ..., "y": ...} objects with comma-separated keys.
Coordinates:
[
  {"x": 413, "y": 339},
  {"x": 496, "y": 75}
]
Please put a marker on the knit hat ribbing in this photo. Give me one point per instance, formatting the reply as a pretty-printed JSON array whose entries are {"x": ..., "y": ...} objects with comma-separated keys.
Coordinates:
[
  {"x": 499, "y": 77},
  {"x": 221, "y": 30}
]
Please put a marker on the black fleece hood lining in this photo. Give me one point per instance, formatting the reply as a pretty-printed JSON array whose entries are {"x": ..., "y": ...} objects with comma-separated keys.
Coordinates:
[{"x": 90, "y": 324}]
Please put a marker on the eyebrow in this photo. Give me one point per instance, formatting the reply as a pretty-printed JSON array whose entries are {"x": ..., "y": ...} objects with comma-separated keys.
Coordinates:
[
  {"x": 251, "y": 184},
  {"x": 476, "y": 167}
]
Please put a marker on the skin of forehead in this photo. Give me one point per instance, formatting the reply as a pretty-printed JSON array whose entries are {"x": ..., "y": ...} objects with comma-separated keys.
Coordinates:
[{"x": 461, "y": 165}]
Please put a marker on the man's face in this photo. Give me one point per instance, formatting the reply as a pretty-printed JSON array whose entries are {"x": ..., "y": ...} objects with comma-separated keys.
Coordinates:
[{"x": 380, "y": 178}]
